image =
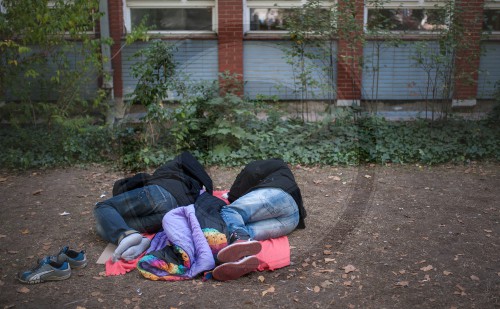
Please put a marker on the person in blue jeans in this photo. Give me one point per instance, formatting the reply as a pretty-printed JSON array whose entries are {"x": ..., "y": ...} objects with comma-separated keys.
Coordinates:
[
  {"x": 265, "y": 202},
  {"x": 140, "y": 202}
]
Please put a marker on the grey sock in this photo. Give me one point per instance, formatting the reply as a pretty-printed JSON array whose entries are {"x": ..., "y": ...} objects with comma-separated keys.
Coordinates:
[
  {"x": 127, "y": 242},
  {"x": 133, "y": 252}
]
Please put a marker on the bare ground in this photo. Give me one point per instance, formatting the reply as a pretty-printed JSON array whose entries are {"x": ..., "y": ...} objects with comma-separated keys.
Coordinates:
[{"x": 376, "y": 237}]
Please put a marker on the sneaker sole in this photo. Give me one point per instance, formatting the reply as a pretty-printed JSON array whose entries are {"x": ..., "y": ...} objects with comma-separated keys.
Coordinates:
[
  {"x": 80, "y": 266},
  {"x": 234, "y": 270},
  {"x": 239, "y": 250},
  {"x": 45, "y": 280}
]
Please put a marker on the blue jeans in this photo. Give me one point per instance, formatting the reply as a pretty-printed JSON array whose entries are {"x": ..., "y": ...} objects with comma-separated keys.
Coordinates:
[
  {"x": 139, "y": 210},
  {"x": 262, "y": 214}
]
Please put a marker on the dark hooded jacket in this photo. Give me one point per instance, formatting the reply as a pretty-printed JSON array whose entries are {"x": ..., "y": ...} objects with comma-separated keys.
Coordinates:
[
  {"x": 272, "y": 173},
  {"x": 183, "y": 177}
]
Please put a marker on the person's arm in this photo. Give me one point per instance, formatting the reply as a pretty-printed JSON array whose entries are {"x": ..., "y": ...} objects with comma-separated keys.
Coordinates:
[
  {"x": 130, "y": 183},
  {"x": 195, "y": 170}
]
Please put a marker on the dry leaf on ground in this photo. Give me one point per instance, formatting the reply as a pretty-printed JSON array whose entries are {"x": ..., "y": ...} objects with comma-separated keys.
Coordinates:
[
  {"x": 427, "y": 268},
  {"x": 349, "y": 268},
  {"x": 402, "y": 283},
  {"x": 270, "y": 290}
]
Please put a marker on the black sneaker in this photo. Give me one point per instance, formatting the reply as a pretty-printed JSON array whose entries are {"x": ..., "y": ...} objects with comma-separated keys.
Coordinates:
[
  {"x": 75, "y": 259},
  {"x": 46, "y": 270}
]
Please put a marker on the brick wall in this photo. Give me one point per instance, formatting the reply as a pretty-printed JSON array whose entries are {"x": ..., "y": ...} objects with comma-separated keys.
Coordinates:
[
  {"x": 350, "y": 50},
  {"x": 116, "y": 27},
  {"x": 230, "y": 36},
  {"x": 470, "y": 16}
]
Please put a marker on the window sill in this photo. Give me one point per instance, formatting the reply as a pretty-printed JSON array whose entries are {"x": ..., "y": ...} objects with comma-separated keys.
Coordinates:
[
  {"x": 267, "y": 35},
  {"x": 183, "y": 35}
]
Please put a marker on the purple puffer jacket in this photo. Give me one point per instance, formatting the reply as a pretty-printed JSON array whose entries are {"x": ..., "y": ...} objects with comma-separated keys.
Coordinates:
[{"x": 181, "y": 228}]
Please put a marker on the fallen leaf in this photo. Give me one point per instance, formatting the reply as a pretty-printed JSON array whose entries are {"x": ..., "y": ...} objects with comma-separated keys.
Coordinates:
[
  {"x": 100, "y": 300},
  {"x": 474, "y": 278},
  {"x": 402, "y": 271},
  {"x": 349, "y": 268},
  {"x": 37, "y": 192},
  {"x": 25, "y": 231},
  {"x": 3, "y": 236},
  {"x": 270, "y": 290},
  {"x": 261, "y": 278},
  {"x": 328, "y": 246},
  {"x": 97, "y": 278},
  {"x": 368, "y": 176},
  {"x": 327, "y": 252},
  {"x": 336, "y": 178},
  {"x": 488, "y": 231},
  {"x": 402, "y": 283},
  {"x": 12, "y": 252},
  {"x": 347, "y": 283},
  {"x": 317, "y": 289},
  {"x": 80, "y": 307},
  {"x": 461, "y": 288},
  {"x": 326, "y": 283},
  {"x": 328, "y": 260},
  {"x": 127, "y": 301},
  {"x": 23, "y": 290},
  {"x": 427, "y": 268},
  {"x": 447, "y": 273},
  {"x": 3, "y": 179}
]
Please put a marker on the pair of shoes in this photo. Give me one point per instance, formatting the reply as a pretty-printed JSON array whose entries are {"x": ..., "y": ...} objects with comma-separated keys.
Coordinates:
[
  {"x": 238, "y": 249},
  {"x": 46, "y": 270},
  {"x": 76, "y": 260},
  {"x": 234, "y": 270},
  {"x": 55, "y": 267}
]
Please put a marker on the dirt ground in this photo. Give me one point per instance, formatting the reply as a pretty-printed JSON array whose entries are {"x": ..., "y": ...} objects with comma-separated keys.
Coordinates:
[{"x": 376, "y": 237}]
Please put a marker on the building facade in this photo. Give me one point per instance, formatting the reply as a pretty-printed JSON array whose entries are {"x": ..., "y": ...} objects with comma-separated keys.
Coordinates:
[{"x": 384, "y": 50}]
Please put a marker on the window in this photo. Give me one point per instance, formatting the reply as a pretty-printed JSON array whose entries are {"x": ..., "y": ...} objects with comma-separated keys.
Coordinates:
[
  {"x": 263, "y": 15},
  {"x": 268, "y": 19},
  {"x": 416, "y": 16},
  {"x": 491, "y": 21},
  {"x": 170, "y": 16}
]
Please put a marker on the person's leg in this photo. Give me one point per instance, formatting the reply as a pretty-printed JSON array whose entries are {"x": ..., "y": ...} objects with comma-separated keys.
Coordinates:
[
  {"x": 139, "y": 210},
  {"x": 262, "y": 214}
]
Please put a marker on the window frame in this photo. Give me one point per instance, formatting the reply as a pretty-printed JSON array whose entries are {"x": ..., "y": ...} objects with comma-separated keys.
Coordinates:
[
  {"x": 493, "y": 5},
  {"x": 267, "y": 4},
  {"x": 406, "y": 4},
  {"x": 174, "y": 4}
]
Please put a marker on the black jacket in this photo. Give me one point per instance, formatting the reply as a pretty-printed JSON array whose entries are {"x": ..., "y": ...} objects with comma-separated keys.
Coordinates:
[
  {"x": 272, "y": 173},
  {"x": 183, "y": 177}
]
